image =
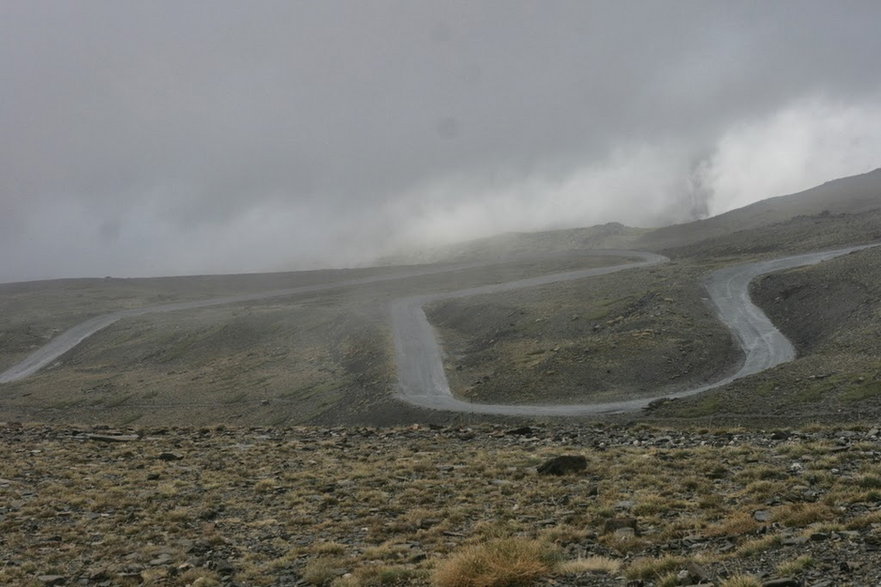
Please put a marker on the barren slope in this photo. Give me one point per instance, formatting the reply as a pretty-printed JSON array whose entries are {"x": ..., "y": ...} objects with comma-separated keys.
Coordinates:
[
  {"x": 849, "y": 195},
  {"x": 623, "y": 336}
]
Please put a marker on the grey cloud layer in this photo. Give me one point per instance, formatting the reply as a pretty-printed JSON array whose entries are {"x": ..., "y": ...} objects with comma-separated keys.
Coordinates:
[{"x": 185, "y": 137}]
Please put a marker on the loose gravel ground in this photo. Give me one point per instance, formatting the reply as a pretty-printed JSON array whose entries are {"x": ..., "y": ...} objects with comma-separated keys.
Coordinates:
[{"x": 384, "y": 506}]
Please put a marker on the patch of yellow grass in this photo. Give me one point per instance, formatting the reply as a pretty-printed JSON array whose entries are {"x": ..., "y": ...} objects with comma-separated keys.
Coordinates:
[
  {"x": 738, "y": 524},
  {"x": 741, "y": 581},
  {"x": 757, "y": 545},
  {"x": 379, "y": 576},
  {"x": 654, "y": 568},
  {"x": 497, "y": 563},
  {"x": 330, "y": 547},
  {"x": 591, "y": 564},
  {"x": 563, "y": 534},
  {"x": 323, "y": 570},
  {"x": 265, "y": 485},
  {"x": 796, "y": 566},
  {"x": 864, "y": 520},
  {"x": 802, "y": 514},
  {"x": 199, "y": 577}
]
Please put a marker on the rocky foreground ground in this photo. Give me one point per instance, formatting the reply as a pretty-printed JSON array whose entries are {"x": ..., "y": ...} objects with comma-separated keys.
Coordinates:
[{"x": 421, "y": 505}]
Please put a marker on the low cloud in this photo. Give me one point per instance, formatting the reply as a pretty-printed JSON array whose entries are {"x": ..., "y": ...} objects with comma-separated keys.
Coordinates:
[
  {"x": 802, "y": 145},
  {"x": 166, "y": 138}
]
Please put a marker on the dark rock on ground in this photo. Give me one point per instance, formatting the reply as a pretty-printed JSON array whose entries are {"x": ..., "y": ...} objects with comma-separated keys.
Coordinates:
[{"x": 563, "y": 465}]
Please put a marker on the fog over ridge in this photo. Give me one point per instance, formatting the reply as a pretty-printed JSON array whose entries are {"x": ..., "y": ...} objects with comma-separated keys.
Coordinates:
[{"x": 199, "y": 137}]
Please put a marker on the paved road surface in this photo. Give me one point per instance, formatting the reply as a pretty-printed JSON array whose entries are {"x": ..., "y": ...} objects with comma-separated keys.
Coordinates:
[{"x": 422, "y": 381}]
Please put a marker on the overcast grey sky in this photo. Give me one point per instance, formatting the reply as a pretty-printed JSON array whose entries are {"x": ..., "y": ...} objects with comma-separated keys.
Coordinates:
[{"x": 154, "y": 138}]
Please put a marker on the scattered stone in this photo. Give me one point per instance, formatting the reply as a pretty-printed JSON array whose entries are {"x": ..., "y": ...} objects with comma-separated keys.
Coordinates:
[
  {"x": 98, "y": 575},
  {"x": 718, "y": 472},
  {"x": 795, "y": 541},
  {"x": 224, "y": 568},
  {"x": 52, "y": 579},
  {"x": 615, "y": 524},
  {"x": 563, "y": 465},
  {"x": 762, "y": 516},
  {"x": 625, "y": 533},
  {"x": 112, "y": 437},
  {"x": 698, "y": 573},
  {"x": 169, "y": 456},
  {"x": 162, "y": 559},
  {"x": 782, "y": 582},
  {"x": 428, "y": 523}
]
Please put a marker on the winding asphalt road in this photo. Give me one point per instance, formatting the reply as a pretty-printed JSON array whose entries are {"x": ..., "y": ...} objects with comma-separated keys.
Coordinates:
[
  {"x": 76, "y": 334},
  {"x": 421, "y": 378},
  {"x": 422, "y": 381}
]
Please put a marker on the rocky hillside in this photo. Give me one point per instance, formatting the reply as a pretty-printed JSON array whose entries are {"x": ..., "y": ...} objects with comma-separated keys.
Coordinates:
[{"x": 446, "y": 505}]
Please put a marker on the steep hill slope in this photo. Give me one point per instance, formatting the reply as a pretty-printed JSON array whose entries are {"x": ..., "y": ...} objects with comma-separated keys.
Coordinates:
[{"x": 849, "y": 195}]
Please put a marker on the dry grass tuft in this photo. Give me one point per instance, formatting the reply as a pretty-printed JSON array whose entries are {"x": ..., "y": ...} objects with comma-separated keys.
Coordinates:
[
  {"x": 199, "y": 578},
  {"x": 865, "y": 520},
  {"x": 325, "y": 548},
  {"x": 757, "y": 545},
  {"x": 802, "y": 514},
  {"x": 736, "y": 525},
  {"x": 498, "y": 563},
  {"x": 591, "y": 564},
  {"x": 668, "y": 580},
  {"x": 323, "y": 570},
  {"x": 379, "y": 576},
  {"x": 796, "y": 566},
  {"x": 741, "y": 581},
  {"x": 654, "y": 568}
]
